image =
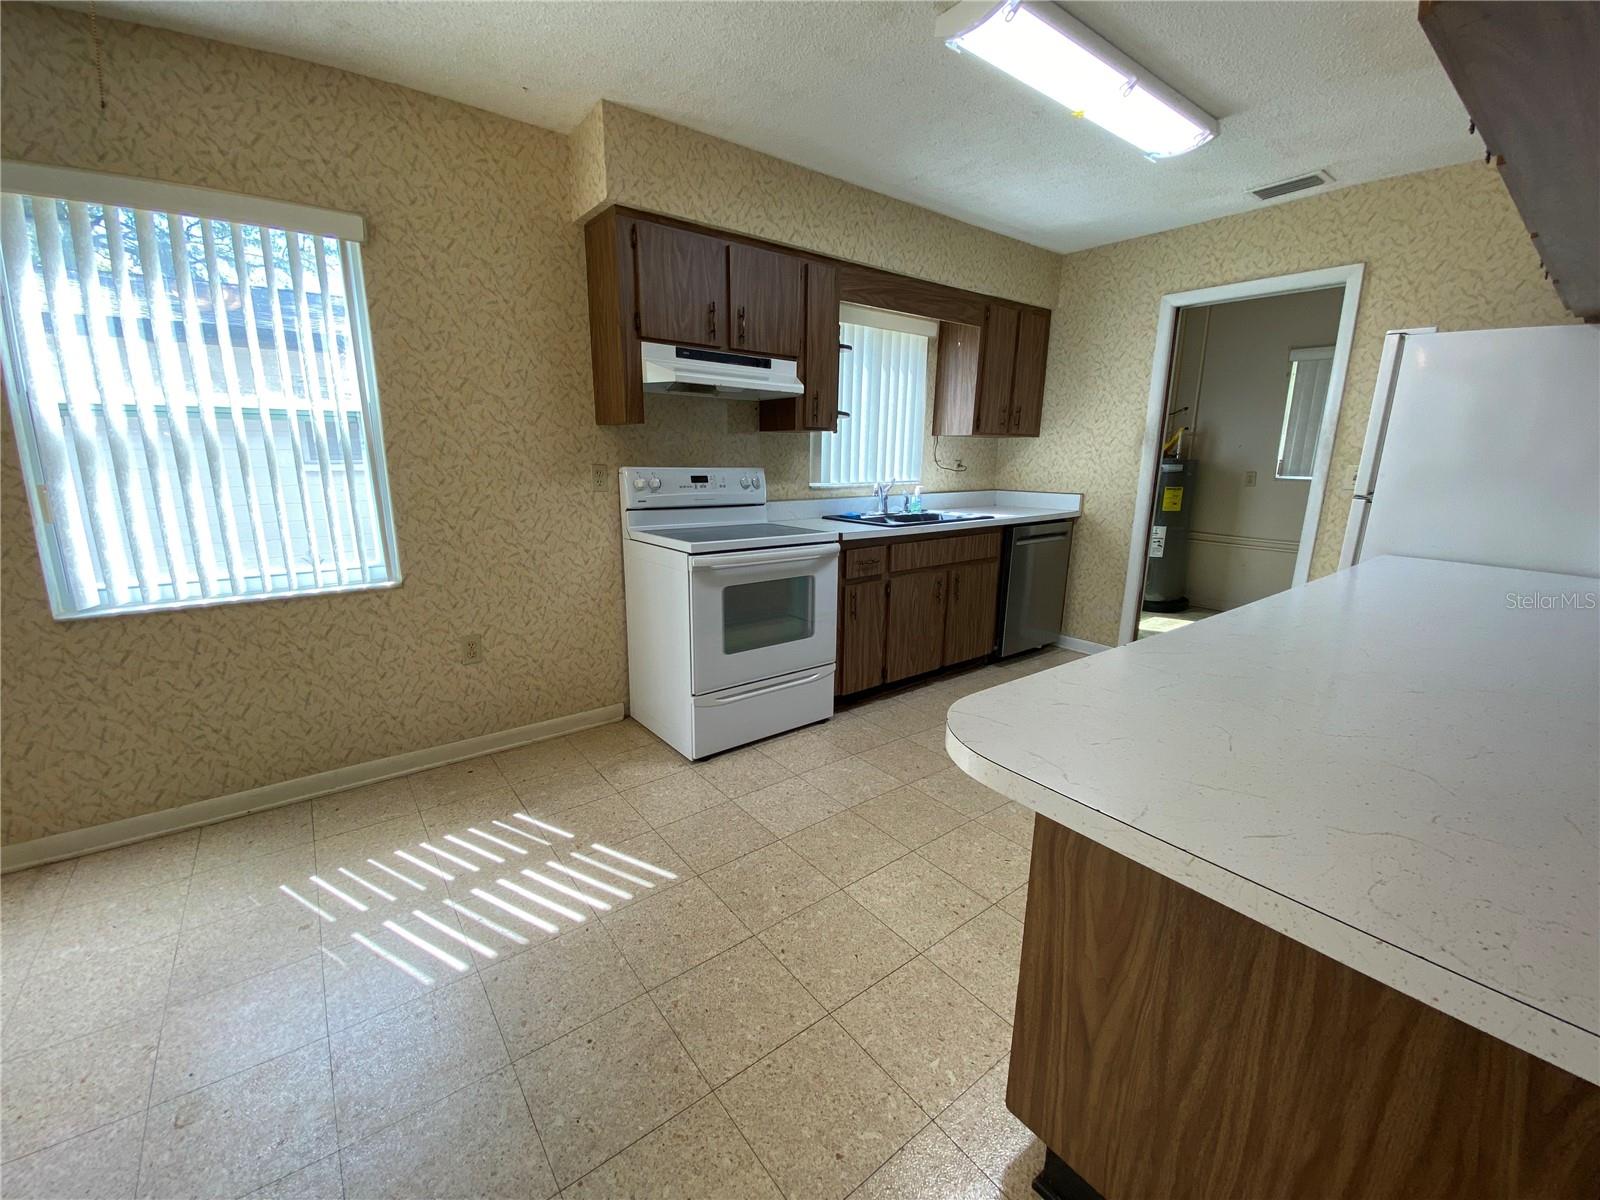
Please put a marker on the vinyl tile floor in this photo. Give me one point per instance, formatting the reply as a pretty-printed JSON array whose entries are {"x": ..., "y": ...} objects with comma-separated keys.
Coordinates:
[{"x": 586, "y": 967}]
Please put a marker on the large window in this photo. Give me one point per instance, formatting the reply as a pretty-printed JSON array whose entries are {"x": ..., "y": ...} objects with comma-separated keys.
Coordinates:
[
  {"x": 883, "y": 386},
  {"x": 191, "y": 382},
  {"x": 1309, "y": 372}
]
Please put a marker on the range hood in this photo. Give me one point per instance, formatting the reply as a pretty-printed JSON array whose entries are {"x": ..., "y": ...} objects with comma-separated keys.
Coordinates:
[{"x": 716, "y": 374}]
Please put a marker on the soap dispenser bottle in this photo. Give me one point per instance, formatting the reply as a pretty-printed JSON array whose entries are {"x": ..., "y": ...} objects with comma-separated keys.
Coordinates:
[{"x": 914, "y": 504}]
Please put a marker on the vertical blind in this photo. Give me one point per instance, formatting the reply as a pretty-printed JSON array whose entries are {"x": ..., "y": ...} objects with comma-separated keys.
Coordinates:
[
  {"x": 1309, "y": 371},
  {"x": 883, "y": 385},
  {"x": 197, "y": 397}
]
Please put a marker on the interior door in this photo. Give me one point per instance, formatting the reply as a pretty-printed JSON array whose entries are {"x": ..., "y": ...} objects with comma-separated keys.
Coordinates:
[
  {"x": 1027, "y": 381},
  {"x": 861, "y": 622},
  {"x": 767, "y": 293},
  {"x": 680, "y": 282},
  {"x": 915, "y": 641},
  {"x": 997, "y": 360},
  {"x": 969, "y": 614}
]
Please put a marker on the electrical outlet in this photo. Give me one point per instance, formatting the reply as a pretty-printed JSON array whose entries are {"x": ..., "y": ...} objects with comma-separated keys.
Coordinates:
[
  {"x": 472, "y": 649},
  {"x": 602, "y": 476},
  {"x": 1249, "y": 479}
]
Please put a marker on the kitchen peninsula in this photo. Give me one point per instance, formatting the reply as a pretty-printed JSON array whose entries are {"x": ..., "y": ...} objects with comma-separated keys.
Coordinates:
[{"x": 1312, "y": 900}]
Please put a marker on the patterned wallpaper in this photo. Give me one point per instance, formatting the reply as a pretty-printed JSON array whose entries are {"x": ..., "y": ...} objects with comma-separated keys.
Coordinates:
[
  {"x": 1441, "y": 248},
  {"x": 653, "y": 164},
  {"x": 475, "y": 279}
]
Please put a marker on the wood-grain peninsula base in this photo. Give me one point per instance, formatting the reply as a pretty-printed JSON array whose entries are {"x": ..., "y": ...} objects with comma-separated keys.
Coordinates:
[{"x": 1167, "y": 1046}]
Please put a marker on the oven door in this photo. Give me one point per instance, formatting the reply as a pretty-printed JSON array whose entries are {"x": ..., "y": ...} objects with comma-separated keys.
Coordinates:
[{"x": 757, "y": 614}]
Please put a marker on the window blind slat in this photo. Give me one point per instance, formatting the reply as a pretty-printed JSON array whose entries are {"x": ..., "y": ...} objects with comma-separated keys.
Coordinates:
[
  {"x": 78, "y": 384},
  {"x": 111, "y": 379},
  {"x": 26, "y": 298},
  {"x": 263, "y": 393},
  {"x": 176, "y": 392},
  {"x": 198, "y": 367},
  {"x": 311, "y": 377},
  {"x": 230, "y": 377},
  {"x": 287, "y": 393},
  {"x": 166, "y": 528},
  {"x": 337, "y": 381}
]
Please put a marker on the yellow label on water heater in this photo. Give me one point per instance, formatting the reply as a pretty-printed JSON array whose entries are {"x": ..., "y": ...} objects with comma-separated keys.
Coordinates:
[{"x": 1171, "y": 499}]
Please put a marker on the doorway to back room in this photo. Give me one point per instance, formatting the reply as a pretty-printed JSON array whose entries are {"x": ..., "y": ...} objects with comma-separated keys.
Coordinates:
[{"x": 1245, "y": 399}]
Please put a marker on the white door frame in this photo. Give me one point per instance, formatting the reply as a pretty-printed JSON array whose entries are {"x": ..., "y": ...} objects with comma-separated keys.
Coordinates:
[{"x": 1348, "y": 277}]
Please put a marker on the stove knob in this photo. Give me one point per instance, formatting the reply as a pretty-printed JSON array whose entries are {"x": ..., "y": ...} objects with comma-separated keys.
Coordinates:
[
  {"x": 744, "y": 482},
  {"x": 655, "y": 483},
  {"x": 638, "y": 484}
]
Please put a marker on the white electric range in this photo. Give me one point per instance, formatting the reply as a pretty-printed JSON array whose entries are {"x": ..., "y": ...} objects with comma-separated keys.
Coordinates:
[{"x": 731, "y": 617}]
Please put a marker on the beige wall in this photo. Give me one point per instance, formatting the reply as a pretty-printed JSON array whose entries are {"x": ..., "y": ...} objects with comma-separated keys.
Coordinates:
[
  {"x": 482, "y": 351},
  {"x": 1243, "y": 536},
  {"x": 1441, "y": 248}
]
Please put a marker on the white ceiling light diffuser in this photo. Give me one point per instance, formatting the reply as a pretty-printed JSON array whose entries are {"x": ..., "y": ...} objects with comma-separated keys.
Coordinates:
[{"x": 1053, "y": 53}]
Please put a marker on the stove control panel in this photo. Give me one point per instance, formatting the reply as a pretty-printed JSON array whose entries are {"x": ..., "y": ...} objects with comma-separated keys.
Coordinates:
[{"x": 689, "y": 487}]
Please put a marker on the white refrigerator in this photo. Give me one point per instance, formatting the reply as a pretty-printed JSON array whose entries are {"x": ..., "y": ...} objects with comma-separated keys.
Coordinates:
[{"x": 1484, "y": 447}]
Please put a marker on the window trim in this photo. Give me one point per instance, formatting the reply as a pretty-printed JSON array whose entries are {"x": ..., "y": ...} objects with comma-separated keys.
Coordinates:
[{"x": 18, "y": 384}]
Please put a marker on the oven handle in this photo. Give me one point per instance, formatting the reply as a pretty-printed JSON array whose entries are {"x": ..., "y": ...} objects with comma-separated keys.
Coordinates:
[
  {"x": 776, "y": 687},
  {"x": 763, "y": 558}
]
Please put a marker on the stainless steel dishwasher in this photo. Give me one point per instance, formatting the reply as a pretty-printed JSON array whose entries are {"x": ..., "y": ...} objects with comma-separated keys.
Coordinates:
[{"x": 1035, "y": 574}]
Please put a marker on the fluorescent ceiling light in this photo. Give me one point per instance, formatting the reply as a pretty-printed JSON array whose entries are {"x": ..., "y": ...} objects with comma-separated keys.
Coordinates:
[{"x": 1053, "y": 53}]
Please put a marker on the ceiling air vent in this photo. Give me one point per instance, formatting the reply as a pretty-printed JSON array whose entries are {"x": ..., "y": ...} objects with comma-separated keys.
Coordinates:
[{"x": 1273, "y": 190}]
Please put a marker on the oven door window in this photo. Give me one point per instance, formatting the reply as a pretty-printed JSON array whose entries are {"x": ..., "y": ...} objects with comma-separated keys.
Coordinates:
[{"x": 768, "y": 612}]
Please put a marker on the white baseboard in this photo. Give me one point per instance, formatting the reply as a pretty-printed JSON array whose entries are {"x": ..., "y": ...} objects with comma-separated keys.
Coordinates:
[
  {"x": 1080, "y": 645},
  {"x": 291, "y": 791}
]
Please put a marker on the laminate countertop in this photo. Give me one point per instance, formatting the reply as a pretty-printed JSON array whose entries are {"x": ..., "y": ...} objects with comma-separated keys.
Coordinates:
[
  {"x": 1397, "y": 765},
  {"x": 998, "y": 508}
]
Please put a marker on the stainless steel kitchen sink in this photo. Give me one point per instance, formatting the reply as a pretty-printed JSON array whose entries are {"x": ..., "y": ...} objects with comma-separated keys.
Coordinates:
[{"x": 921, "y": 518}]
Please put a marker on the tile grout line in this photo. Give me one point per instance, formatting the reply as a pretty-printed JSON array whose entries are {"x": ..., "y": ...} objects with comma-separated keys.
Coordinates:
[
  {"x": 694, "y": 873},
  {"x": 511, "y": 1065}
]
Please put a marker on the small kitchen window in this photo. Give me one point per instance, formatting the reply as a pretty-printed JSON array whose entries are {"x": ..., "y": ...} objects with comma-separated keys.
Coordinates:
[
  {"x": 1309, "y": 371},
  {"x": 190, "y": 376},
  {"x": 883, "y": 386}
]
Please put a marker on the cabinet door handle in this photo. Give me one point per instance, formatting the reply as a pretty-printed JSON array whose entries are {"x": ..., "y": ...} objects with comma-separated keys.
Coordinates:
[
  {"x": 711, "y": 321},
  {"x": 852, "y": 606},
  {"x": 955, "y": 587},
  {"x": 938, "y": 588},
  {"x": 741, "y": 324}
]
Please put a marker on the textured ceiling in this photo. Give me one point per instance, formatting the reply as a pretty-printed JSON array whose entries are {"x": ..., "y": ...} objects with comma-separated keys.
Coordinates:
[{"x": 865, "y": 92}]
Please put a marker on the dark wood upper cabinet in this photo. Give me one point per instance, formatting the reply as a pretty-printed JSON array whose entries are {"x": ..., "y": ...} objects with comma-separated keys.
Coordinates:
[
  {"x": 767, "y": 300},
  {"x": 820, "y": 366},
  {"x": 915, "y": 640},
  {"x": 680, "y": 286},
  {"x": 969, "y": 614},
  {"x": 657, "y": 279},
  {"x": 997, "y": 362},
  {"x": 1027, "y": 380},
  {"x": 1527, "y": 74},
  {"x": 818, "y": 408},
  {"x": 955, "y": 382}
]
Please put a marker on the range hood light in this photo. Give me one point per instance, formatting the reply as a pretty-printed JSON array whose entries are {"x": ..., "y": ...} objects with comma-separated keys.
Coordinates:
[{"x": 1040, "y": 45}]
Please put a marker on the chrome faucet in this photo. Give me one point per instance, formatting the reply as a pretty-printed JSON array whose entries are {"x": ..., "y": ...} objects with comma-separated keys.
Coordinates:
[{"x": 880, "y": 493}]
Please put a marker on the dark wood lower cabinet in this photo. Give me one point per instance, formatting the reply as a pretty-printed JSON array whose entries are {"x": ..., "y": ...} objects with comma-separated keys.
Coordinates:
[
  {"x": 915, "y": 639},
  {"x": 908, "y": 606},
  {"x": 861, "y": 619},
  {"x": 1168, "y": 1046},
  {"x": 969, "y": 614}
]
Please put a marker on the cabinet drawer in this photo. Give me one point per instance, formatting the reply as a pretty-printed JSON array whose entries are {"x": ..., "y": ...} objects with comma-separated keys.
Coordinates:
[
  {"x": 936, "y": 552},
  {"x": 863, "y": 563}
]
